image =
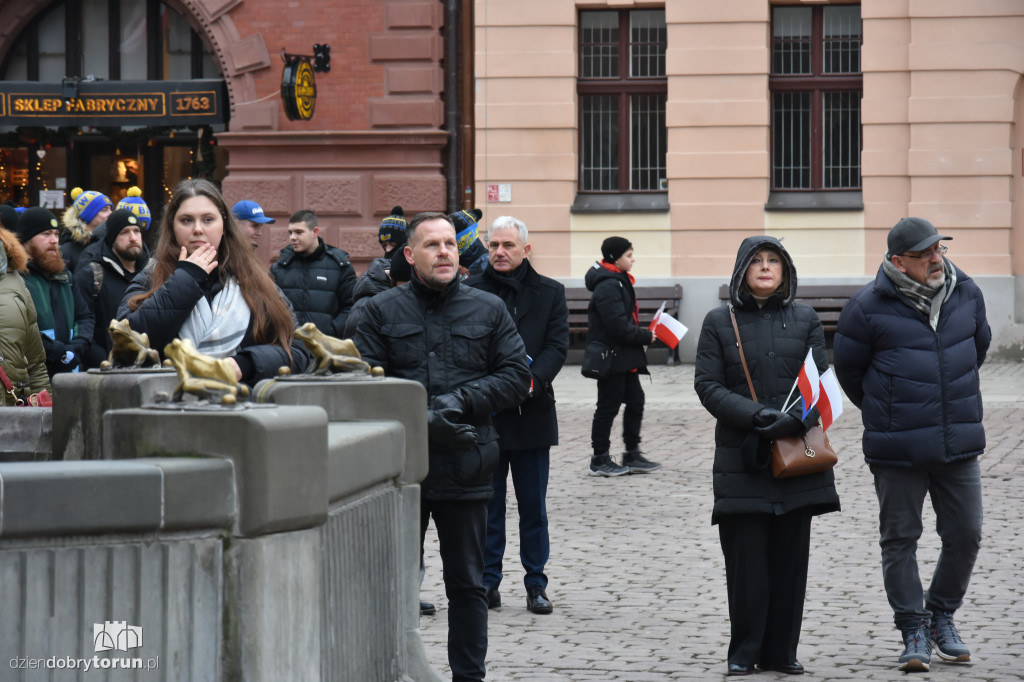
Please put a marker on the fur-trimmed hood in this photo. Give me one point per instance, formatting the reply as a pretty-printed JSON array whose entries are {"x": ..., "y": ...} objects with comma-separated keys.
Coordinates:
[
  {"x": 12, "y": 253},
  {"x": 77, "y": 230}
]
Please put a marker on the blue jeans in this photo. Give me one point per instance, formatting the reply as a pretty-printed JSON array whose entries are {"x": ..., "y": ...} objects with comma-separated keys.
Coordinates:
[
  {"x": 530, "y": 480},
  {"x": 955, "y": 490},
  {"x": 461, "y": 527}
]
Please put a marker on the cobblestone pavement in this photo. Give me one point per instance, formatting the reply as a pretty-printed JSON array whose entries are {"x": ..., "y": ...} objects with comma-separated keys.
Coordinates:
[{"x": 637, "y": 577}]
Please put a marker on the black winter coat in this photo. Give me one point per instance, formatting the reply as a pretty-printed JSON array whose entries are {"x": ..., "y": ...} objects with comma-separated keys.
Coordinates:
[
  {"x": 538, "y": 307},
  {"x": 318, "y": 285},
  {"x": 610, "y": 319},
  {"x": 369, "y": 284},
  {"x": 776, "y": 338},
  {"x": 113, "y": 281},
  {"x": 918, "y": 388},
  {"x": 65, "y": 321},
  {"x": 458, "y": 338},
  {"x": 162, "y": 315}
]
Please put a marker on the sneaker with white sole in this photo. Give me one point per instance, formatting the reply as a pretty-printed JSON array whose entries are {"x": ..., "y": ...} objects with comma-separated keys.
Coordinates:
[
  {"x": 917, "y": 652},
  {"x": 604, "y": 465},
  {"x": 637, "y": 463},
  {"x": 946, "y": 639}
]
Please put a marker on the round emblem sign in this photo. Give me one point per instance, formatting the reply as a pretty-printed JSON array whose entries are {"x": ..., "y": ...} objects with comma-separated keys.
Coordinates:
[{"x": 298, "y": 90}]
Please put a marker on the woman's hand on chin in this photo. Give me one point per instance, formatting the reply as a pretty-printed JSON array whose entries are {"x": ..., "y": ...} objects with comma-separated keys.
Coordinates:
[{"x": 205, "y": 256}]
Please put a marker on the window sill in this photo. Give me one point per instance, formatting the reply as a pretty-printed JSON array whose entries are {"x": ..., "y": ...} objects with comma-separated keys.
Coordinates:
[
  {"x": 815, "y": 201},
  {"x": 633, "y": 202}
]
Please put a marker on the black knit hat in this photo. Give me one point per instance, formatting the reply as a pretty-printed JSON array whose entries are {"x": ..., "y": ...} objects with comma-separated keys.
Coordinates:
[
  {"x": 35, "y": 220},
  {"x": 8, "y": 217},
  {"x": 117, "y": 221},
  {"x": 613, "y": 248},
  {"x": 400, "y": 270},
  {"x": 392, "y": 229}
]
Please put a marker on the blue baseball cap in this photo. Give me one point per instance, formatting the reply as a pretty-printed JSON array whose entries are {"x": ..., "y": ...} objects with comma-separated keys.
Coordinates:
[{"x": 250, "y": 210}]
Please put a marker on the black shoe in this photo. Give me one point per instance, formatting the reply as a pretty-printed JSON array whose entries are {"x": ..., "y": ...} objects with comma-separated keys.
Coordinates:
[
  {"x": 791, "y": 668},
  {"x": 493, "y": 598},
  {"x": 637, "y": 463},
  {"x": 427, "y": 609},
  {"x": 740, "y": 669},
  {"x": 604, "y": 465},
  {"x": 537, "y": 601}
]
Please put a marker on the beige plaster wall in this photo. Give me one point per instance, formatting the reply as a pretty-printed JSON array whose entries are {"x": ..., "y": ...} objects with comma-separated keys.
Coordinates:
[{"x": 941, "y": 100}]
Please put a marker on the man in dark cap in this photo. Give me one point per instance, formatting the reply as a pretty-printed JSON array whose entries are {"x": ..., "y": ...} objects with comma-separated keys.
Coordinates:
[
  {"x": 65, "y": 321},
  {"x": 908, "y": 349},
  {"x": 103, "y": 281}
]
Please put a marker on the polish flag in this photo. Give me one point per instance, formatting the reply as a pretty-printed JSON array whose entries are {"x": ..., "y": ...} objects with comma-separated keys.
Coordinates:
[
  {"x": 808, "y": 382},
  {"x": 667, "y": 328},
  {"x": 830, "y": 402}
]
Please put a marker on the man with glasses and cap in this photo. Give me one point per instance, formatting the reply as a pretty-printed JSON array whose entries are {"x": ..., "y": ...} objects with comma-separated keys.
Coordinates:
[{"x": 908, "y": 348}]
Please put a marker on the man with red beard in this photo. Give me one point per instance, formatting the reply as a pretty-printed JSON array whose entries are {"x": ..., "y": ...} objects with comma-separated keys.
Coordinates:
[
  {"x": 103, "y": 281},
  {"x": 65, "y": 322}
]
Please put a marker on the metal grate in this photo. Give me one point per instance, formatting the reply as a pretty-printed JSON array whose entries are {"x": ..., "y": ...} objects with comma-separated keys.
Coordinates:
[
  {"x": 648, "y": 37},
  {"x": 841, "y": 43},
  {"x": 599, "y": 154},
  {"x": 649, "y": 138},
  {"x": 841, "y": 113},
  {"x": 791, "y": 149},
  {"x": 599, "y": 45},
  {"x": 791, "y": 41}
]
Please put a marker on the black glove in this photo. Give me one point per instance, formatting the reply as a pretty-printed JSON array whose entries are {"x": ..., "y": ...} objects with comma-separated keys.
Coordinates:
[
  {"x": 443, "y": 429},
  {"x": 770, "y": 423},
  {"x": 454, "y": 401}
]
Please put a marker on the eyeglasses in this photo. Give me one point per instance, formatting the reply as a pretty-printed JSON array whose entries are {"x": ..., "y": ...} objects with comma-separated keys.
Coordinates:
[{"x": 940, "y": 250}]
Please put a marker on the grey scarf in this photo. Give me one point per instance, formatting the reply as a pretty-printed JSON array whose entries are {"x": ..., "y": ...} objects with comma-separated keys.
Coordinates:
[{"x": 927, "y": 299}]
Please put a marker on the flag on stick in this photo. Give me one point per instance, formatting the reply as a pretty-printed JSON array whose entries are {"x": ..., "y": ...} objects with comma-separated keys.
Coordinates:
[
  {"x": 809, "y": 383},
  {"x": 830, "y": 401},
  {"x": 667, "y": 329}
]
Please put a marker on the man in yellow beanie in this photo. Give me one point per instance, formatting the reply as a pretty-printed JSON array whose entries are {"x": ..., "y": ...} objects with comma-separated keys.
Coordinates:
[{"x": 87, "y": 213}]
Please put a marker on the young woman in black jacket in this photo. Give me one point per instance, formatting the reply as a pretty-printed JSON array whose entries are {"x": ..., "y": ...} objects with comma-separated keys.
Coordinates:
[
  {"x": 206, "y": 284},
  {"x": 613, "y": 320},
  {"x": 764, "y": 523}
]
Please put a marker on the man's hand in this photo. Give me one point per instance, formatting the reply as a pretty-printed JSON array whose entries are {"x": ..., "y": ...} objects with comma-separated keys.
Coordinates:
[
  {"x": 443, "y": 429},
  {"x": 771, "y": 424},
  {"x": 454, "y": 401}
]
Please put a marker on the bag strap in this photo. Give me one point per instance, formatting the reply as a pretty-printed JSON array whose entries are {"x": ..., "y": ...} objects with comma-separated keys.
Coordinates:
[
  {"x": 9, "y": 387},
  {"x": 743, "y": 359}
]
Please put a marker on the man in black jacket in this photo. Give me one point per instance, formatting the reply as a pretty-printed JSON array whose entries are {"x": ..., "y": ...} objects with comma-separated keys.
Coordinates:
[
  {"x": 462, "y": 346},
  {"x": 317, "y": 278},
  {"x": 538, "y": 307},
  {"x": 103, "y": 281}
]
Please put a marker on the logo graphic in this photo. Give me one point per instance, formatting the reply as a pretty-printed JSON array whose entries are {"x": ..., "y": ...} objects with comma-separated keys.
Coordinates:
[{"x": 118, "y": 635}]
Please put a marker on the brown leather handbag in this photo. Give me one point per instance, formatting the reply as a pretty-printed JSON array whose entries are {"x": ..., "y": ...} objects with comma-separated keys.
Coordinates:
[{"x": 811, "y": 453}]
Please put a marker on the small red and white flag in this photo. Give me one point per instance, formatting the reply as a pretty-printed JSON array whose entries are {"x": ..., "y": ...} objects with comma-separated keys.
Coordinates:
[
  {"x": 666, "y": 328},
  {"x": 808, "y": 382},
  {"x": 830, "y": 402}
]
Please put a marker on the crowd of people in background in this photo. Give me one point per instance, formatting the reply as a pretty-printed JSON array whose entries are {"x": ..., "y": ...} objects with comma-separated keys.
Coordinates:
[{"x": 466, "y": 314}]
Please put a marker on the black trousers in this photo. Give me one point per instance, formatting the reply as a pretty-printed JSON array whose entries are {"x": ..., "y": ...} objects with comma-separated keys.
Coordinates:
[
  {"x": 766, "y": 573},
  {"x": 612, "y": 392},
  {"x": 461, "y": 531}
]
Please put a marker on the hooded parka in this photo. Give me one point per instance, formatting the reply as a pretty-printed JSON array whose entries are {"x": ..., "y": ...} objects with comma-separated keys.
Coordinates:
[
  {"x": 610, "y": 318},
  {"x": 21, "y": 347},
  {"x": 776, "y": 337}
]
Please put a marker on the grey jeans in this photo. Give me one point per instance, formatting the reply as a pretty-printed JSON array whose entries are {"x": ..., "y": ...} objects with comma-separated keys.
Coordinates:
[{"x": 955, "y": 491}]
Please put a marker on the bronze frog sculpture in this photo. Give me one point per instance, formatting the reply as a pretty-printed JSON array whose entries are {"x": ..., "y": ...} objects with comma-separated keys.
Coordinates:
[
  {"x": 331, "y": 355},
  {"x": 131, "y": 348},
  {"x": 203, "y": 376}
]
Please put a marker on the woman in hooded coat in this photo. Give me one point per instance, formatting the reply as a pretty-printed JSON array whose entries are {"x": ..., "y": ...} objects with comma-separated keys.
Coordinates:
[
  {"x": 764, "y": 523},
  {"x": 22, "y": 357}
]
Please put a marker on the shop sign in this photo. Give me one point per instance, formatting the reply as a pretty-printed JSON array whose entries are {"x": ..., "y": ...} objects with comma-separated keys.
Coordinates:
[
  {"x": 114, "y": 103},
  {"x": 298, "y": 88}
]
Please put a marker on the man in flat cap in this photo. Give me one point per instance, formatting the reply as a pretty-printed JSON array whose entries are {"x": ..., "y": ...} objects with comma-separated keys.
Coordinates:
[{"x": 907, "y": 353}]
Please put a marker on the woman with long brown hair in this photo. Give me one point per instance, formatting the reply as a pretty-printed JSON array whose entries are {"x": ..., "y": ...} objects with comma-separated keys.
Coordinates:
[{"x": 205, "y": 284}]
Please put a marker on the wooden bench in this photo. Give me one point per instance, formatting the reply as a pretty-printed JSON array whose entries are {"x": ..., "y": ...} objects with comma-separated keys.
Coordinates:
[
  {"x": 826, "y": 299},
  {"x": 649, "y": 298}
]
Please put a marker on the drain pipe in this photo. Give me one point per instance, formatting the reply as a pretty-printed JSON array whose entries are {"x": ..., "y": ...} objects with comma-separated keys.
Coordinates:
[{"x": 451, "y": 103}]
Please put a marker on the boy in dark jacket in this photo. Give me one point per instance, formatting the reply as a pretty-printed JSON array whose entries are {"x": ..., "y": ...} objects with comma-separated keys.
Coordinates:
[
  {"x": 907, "y": 353},
  {"x": 613, "y": 320}
]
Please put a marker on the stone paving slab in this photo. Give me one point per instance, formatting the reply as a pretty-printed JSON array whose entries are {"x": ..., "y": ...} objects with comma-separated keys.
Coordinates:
[{"x": 637, "y": 577}]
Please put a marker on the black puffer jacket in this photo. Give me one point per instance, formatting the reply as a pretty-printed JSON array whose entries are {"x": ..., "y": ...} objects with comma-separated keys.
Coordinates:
[
  {"x": 369, "y": 284},
  {"x": 538, "y": 307},
  {"x": 918, "y": 389},
  {"x": 610, "y": 318},
  {"x": 458, "y": 338},
  {"x": 775, "y": 339},
  {"x": 162, "y": 315},
  {"x": 318, "y": 285},
  {"x": 112, "y": 281}
]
